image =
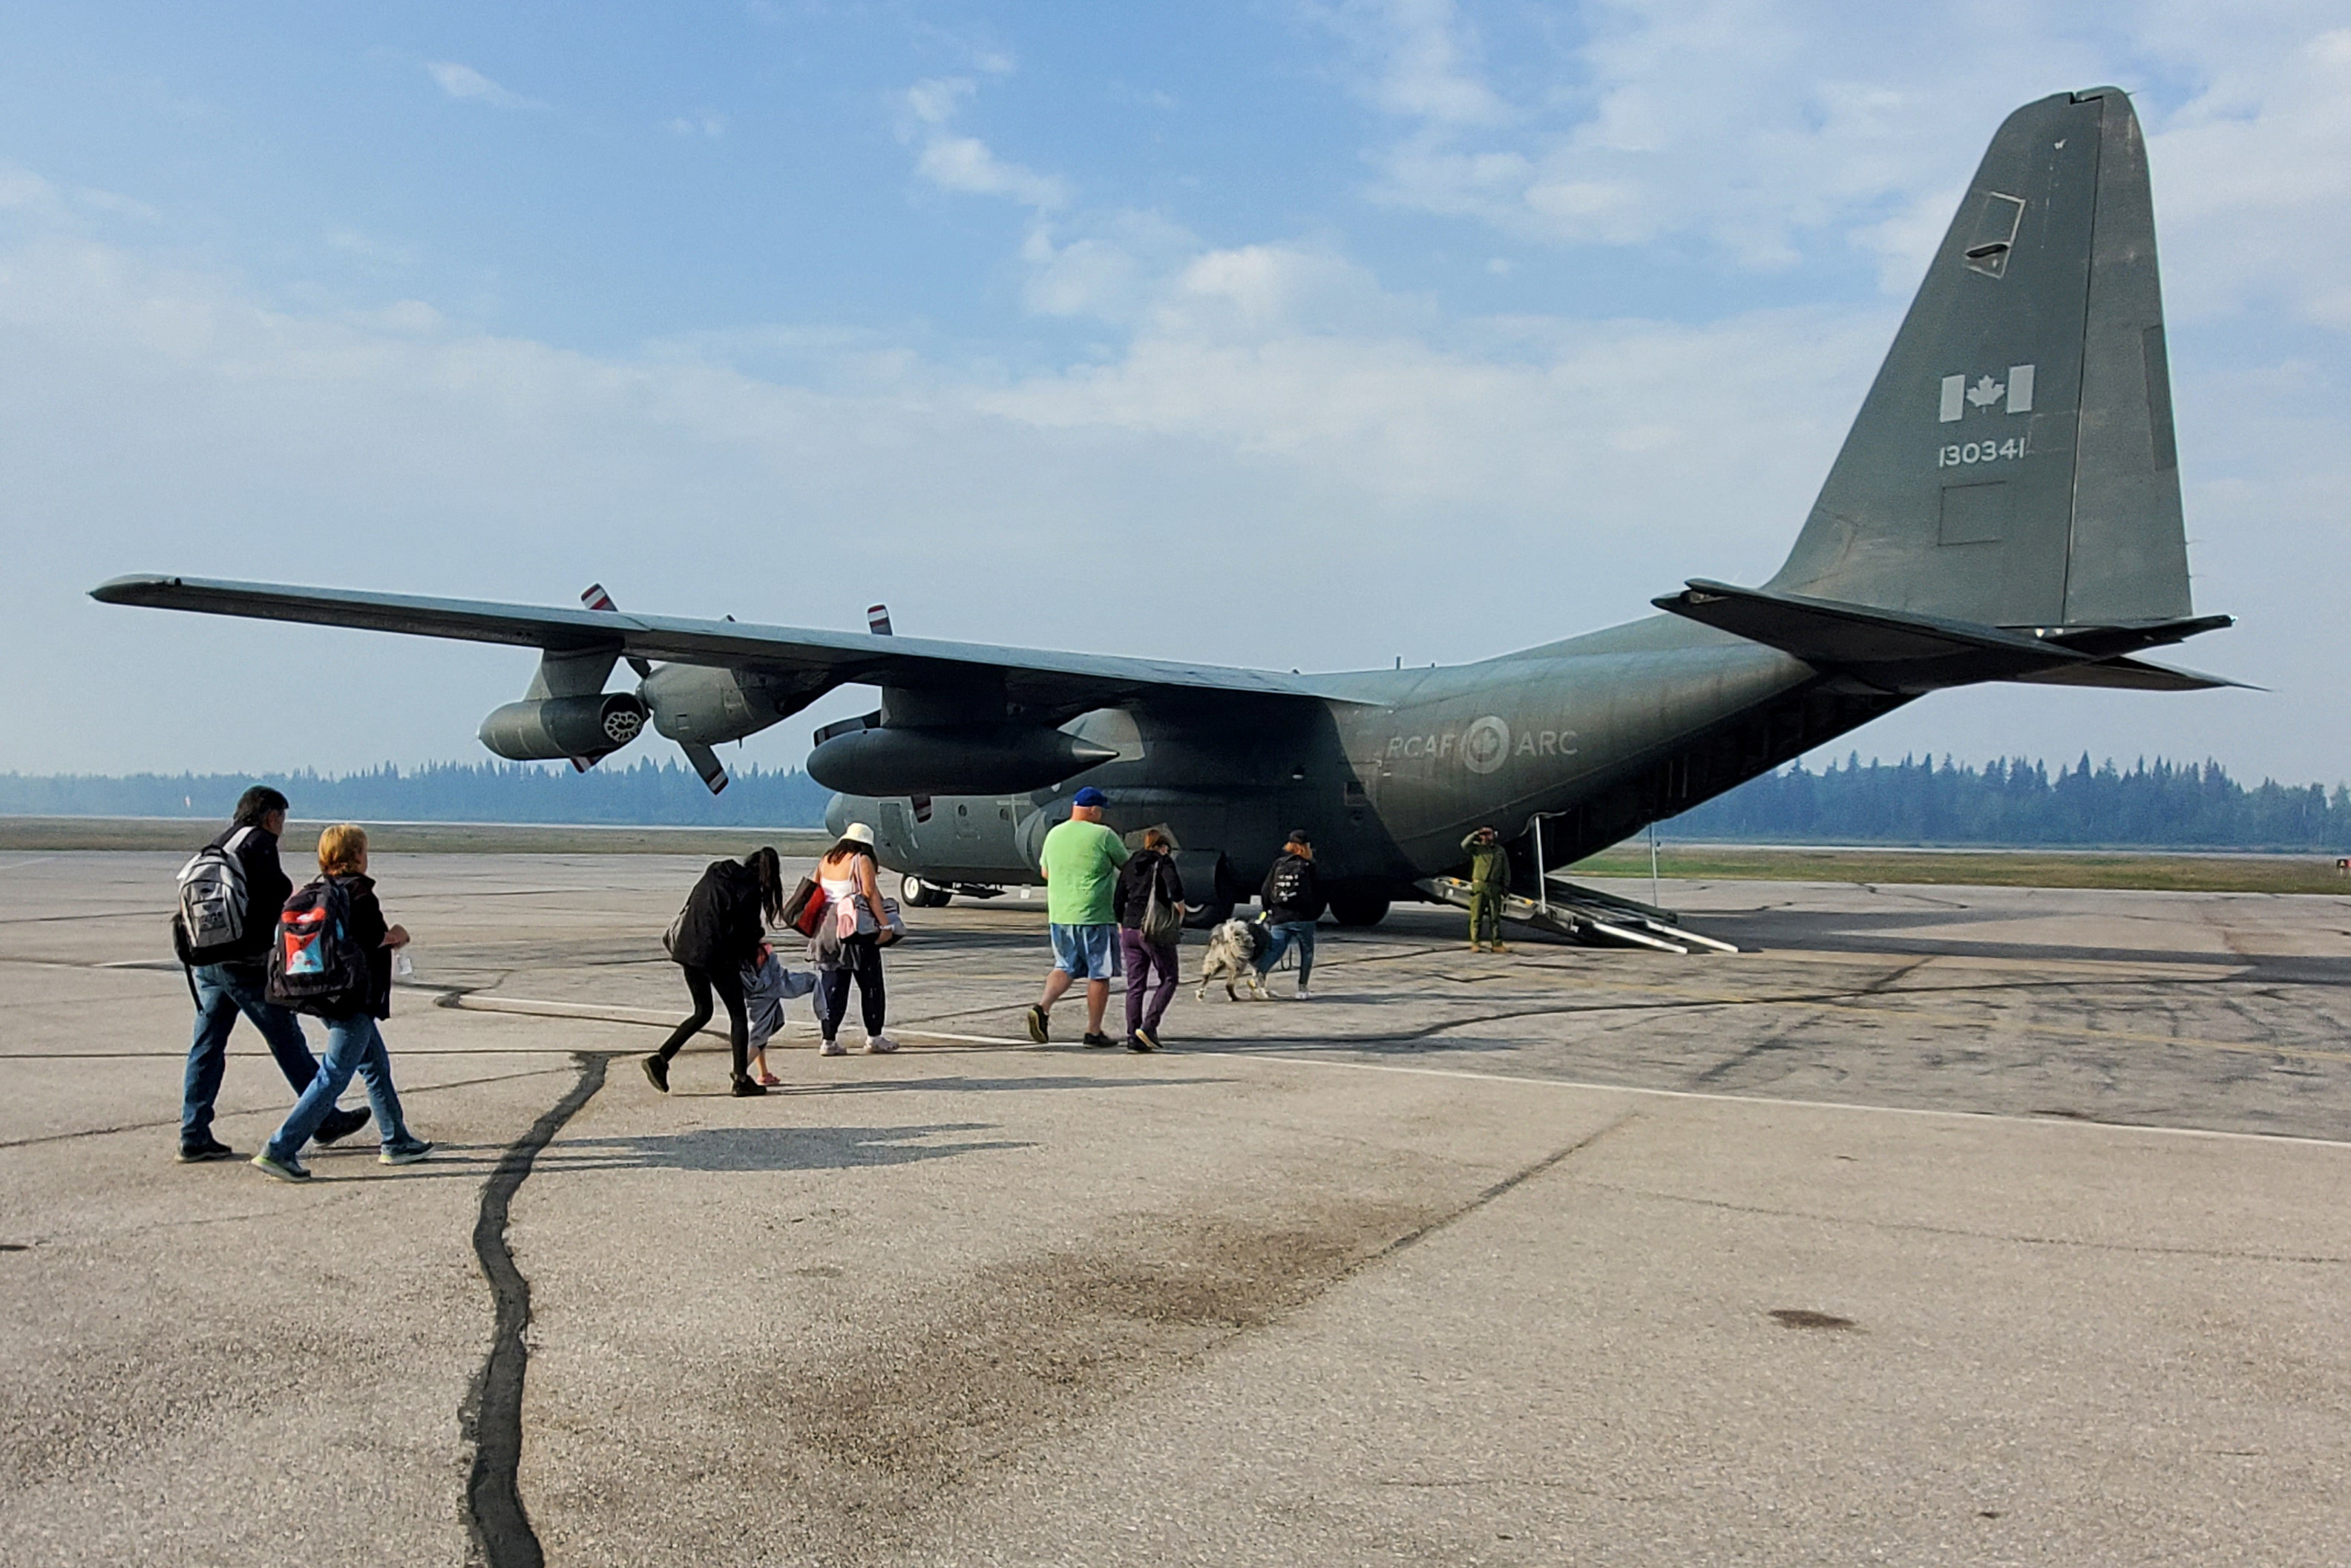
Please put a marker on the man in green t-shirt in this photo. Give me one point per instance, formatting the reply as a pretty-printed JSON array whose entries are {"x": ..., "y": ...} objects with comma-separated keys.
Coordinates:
[{"x": 1080, "y": 860}]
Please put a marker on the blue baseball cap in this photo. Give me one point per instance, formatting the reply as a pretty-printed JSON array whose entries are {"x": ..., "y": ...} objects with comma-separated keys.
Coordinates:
[{"x": 1089, "y": 796}]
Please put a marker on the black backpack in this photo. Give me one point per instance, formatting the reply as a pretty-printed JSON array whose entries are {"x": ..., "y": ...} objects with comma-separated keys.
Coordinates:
[
  {"x": 315, "y": 966},
  {"x": 1292, "y": 879}
]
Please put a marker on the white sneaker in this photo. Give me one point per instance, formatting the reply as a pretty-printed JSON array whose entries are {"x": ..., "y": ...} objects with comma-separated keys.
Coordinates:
[
  {"x": 880, "y": 1045},
  {"x": 831, "y": 1048},
  {"x": 1301, "y": 994}
]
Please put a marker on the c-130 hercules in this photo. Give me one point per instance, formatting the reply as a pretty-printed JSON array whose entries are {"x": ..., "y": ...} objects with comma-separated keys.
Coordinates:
[{"x": 2006, "y": 507}]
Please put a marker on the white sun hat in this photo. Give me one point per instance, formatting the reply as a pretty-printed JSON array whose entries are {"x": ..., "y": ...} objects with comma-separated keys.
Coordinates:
[{"x": 857, "y": 833}]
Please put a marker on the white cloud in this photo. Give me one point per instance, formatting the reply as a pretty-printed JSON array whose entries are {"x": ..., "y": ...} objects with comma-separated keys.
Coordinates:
[
  {"x": 2255, "y": 186},
  {"x": 1108, "y": 266},
  {"x": 965, "y": 163},
  {"x": 708, "y": 124},
  {"x": 935, "y": 101},
  {"x": 1773, "y": 133},
  {"x": 1419, "y": 59},
  {"x": 462, "y": 81}
]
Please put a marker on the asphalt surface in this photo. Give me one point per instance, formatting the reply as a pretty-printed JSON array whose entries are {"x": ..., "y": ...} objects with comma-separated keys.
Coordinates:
[{"x": 1945, "y": 1224}]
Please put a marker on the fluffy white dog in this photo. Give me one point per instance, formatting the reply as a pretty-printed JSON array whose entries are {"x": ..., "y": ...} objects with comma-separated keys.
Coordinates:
[{"x": 1233, "y": 950}]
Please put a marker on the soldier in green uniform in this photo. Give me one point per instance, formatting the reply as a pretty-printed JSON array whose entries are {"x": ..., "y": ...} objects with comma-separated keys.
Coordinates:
[{"x": 1489, "y": 876}]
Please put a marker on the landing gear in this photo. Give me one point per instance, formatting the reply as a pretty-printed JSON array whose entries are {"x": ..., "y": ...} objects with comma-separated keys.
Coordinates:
[
  {"x": 916, "y": 893},
  {"x": 1358, "y": 906}
]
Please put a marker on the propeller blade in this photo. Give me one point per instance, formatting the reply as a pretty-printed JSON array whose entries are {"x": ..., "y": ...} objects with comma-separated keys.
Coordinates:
[
  {"x": 922, "y": 804},
  {"x": 705, "y": 762},
  {"x": 594, "y": 597}
]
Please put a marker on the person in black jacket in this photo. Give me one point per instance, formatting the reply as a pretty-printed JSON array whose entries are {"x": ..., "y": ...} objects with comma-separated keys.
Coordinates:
[
  {"x": 354, "y": 1043},
  {"x": 1292, "y": 897},
  {"x": 724, "y": 920},
  {"x": 1151, "y": 867},
  {"x": 232, "y": 983}
]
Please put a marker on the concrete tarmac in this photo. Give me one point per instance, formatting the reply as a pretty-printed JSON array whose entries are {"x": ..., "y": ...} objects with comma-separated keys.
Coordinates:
[{"x": 1945, "y": 1224}]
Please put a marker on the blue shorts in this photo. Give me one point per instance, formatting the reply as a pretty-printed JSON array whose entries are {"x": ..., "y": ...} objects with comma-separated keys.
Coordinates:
[{"x": 1086, "y": 952}]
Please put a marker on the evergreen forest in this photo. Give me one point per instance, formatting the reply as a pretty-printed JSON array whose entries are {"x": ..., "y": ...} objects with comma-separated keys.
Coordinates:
[{"x": 2014, "y": 802}]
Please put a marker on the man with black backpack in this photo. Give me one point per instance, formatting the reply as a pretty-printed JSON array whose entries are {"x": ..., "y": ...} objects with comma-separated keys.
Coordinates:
[
  {"x": 230, "y": 895},
  {"x": 1292, "y": 897}
]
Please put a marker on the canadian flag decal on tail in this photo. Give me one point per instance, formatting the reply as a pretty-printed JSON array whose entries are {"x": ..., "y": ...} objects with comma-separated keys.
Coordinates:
[{"x": 1961, "y": 394}]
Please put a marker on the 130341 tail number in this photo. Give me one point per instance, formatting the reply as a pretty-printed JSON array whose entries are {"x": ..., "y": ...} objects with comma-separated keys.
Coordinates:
[{"x": 1958, "y": 454}]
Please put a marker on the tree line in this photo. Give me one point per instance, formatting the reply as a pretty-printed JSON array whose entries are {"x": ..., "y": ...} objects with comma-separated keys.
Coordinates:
[
  {"x": 2017, "y": 801},
  {"x": 2013, "y": 802},
  {"x": 647, "y": 793}
]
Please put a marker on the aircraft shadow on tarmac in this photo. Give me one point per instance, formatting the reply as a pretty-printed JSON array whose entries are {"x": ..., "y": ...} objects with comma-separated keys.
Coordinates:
[
  {"x": 990, "y": 1085},
  {"x": 774, "y": 1148}
]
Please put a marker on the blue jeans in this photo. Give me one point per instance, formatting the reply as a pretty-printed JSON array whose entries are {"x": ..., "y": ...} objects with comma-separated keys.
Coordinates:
[
  {"x": 223, "y": 991},
  {"x": 1301, "y": 932},
  {"x": 353, "y": 1044}
]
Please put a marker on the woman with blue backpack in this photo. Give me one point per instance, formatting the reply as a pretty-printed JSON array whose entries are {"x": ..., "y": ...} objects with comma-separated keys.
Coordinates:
[{"x": 333, "y": 960}]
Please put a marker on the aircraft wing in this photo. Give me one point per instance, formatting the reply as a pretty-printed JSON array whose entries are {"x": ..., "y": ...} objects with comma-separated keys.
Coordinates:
[{"x": 1071, "y": 682}]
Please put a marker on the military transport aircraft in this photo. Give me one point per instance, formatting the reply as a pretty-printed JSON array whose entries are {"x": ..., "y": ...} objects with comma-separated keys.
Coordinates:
[{"x": 2006, "y": 507}]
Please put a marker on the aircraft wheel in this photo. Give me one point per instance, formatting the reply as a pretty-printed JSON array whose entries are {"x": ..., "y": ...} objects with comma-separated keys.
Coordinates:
[
  {"x": 1200, "y": 917},
  {"x": 1353, "y": 908},
  {"x": 916, "y": 893}
]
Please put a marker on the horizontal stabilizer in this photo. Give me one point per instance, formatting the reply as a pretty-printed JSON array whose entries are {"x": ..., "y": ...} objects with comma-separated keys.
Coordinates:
[
  {"x": 2107, "y": 641},
  {"x": 1904, "y": 651},
  {"x": 2136, "y": 675}
]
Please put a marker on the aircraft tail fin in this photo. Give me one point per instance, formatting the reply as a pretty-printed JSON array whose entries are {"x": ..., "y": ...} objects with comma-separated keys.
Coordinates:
[{"x": 2014, "y": 465}]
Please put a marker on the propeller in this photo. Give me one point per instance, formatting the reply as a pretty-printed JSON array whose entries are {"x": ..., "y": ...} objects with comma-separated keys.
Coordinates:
[
  {"x": 705, "y": 762},
  {"x": 594, "y": 597},
  {"x": 877, "y": 621}
]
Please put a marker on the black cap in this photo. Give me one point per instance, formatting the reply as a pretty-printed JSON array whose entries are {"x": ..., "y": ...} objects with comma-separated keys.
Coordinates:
[{"x": 1298, "y": 836}]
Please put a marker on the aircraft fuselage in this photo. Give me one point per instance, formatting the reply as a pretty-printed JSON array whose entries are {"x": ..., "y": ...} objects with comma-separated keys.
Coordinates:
[{"x": 1596, "y": 736}]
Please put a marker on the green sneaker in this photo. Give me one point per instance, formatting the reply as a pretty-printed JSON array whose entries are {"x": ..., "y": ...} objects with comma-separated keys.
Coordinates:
[
  {"x": 288, "y": 1169},
  {"x": 406, "y": 1151}
]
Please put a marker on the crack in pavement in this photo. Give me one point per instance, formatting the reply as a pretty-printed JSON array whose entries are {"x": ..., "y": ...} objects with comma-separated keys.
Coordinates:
[
  {"x": 1925, "y": 1228},
  {"x": 1501, "y": 1188},
  {"x": 492, "y": 1418}
]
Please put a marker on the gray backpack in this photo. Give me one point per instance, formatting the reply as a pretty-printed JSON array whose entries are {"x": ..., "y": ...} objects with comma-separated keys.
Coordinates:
[{"x": 211, "y": 900}]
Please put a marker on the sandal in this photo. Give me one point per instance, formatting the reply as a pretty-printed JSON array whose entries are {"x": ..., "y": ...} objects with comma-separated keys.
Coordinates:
[{"x": 770, "y": 1081}]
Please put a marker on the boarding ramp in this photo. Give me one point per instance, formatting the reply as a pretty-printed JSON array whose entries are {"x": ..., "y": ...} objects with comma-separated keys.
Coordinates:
[{"x": 1587, "y": 915}]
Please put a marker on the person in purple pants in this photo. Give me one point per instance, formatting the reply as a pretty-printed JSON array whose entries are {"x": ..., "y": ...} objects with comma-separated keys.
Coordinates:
[{"x": 1150, "y": 966}]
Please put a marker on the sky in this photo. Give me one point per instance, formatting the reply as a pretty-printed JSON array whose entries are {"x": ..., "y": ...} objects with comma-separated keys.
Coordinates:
[{"x": 1298, "y": 333}]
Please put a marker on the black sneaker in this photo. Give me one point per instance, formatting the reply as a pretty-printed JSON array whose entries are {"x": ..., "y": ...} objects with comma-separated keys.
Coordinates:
[
  {"x": 748, "y": 1089},
  {"x": 1040, "y": 1026},
  {"x": 340, "y": 1125},
  {"x": 656, "y": 1072},
  {"x": 202, "y": 1153},
  {"x": 1098, "y": 1040},
  {"x": 1143, "y": 1042}
]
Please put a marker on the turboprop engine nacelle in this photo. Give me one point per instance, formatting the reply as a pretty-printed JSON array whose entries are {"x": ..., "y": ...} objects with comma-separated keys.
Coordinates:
[
  {"x": 962, "y": 760},
  {"x": 544, "y": 728}
]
